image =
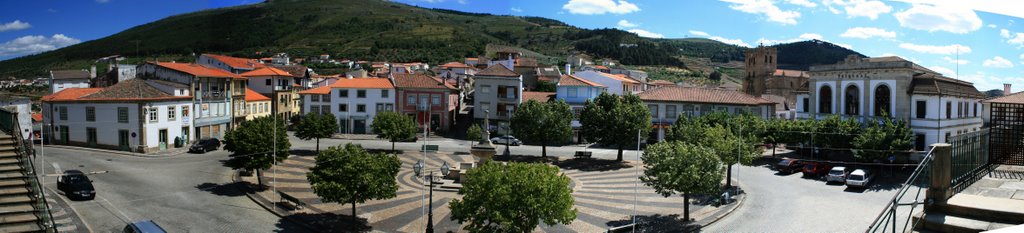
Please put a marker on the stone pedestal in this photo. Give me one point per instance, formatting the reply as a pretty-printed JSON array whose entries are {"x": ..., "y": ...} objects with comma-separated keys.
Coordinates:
[
  {"x": 940, "y": 189},
  {"x": 483, "y": 152}
]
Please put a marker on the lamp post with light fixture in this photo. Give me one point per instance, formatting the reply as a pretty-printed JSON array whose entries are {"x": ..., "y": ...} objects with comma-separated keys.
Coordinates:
[{"x": 418, "y": 169}]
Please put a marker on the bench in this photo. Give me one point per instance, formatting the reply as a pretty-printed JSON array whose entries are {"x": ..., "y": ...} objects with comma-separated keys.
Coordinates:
[
  {"x": 290, "y": 201},
  {"x": 429, "y": 148},
  {"x": 583, "y": 154}
]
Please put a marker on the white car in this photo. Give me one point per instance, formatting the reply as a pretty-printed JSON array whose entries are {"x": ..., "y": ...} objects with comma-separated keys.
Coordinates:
[
  {"x": 837, "y": 174},
  {"x": 859, "y": 178}
]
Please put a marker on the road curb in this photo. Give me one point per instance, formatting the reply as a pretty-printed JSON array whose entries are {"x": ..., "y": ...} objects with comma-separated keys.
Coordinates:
[
  {"x": 140, "y": 155},
  {"x": 721, "y": 215},
  {"x": 259, "y": 200}
]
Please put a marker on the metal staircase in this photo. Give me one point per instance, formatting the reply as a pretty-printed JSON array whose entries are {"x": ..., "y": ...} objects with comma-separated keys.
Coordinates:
[{"x": 23, "y": 207}]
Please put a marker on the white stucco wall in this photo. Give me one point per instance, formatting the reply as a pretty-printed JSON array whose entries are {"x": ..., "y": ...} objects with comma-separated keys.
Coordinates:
[{"x": 614, "y": 85}]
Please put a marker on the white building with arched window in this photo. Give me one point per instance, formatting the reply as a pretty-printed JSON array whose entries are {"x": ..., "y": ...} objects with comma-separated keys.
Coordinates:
[{"x": 935, "y": 106}]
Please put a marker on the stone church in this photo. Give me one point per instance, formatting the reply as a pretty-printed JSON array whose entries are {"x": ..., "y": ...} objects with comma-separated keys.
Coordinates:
[{"x": 765, "y": 80}]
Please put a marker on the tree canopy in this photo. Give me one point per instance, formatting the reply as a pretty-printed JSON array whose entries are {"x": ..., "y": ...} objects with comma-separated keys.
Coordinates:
[
  {"x": 883, "y": 139},
  {"x": 615, "y": 120},
  {"x": 513, "y": 198},
  {"x": 393, "y": 126},
  {"x": 681, "y": 168},
  {"x": 733, "y": 138},
  {"x": 350, "y": 174},
  {"x": 474, "y": 133},
  {"x": 254, "y": 143},
  {"x": 316, "y": 126},
  {"x": 548, "y": 122}
]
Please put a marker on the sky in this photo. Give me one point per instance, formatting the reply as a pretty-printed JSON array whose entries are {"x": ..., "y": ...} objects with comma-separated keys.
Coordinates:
[{"x": 981, "y": 41}]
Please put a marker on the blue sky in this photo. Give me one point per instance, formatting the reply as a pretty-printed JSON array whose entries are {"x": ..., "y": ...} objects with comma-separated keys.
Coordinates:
[{"x": 988, "y": 34}]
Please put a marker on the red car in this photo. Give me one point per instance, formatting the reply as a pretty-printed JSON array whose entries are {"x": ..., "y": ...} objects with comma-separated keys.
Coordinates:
[
  {"x": 816, "y": 169},
  {"x": 789, "y": 166}
]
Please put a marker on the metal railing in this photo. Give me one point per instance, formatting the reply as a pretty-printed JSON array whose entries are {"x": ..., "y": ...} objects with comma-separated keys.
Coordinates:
[
  {"x": 898, "y": 215},
  {"x": 41, "y": 208},
  {"x": 970, "y": 158}
]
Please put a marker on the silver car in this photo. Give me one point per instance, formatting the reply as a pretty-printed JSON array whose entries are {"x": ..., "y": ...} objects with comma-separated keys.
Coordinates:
[
  {"x": 507, "y": 139},
  {"x": 837, "y": 174},
  {"x": 859, "y": 178}
]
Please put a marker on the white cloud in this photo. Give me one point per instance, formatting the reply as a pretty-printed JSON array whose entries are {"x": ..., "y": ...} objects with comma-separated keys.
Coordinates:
[
  {"x": 868, "y": 32},
  {"x": 737, "y": 42},
  {"x": 517, "y": 10},
  {"x": 1003, "y": 7},
  {"x": 988, "y": 82},
  {"x": 802, "y": 37},
  {"x": 1022, "y": 58},
  {"x": 766, "y": 8},
  {"x": 992, "y": 26},
  {"x": 600, "y": 7},
  {"x": 14, "y": 25},
  {"x": 803, "y": 3},
  {"x": 859, "y": 8},
  {"x": 1004, "y": 33},
  {"x": 936, "y": 49},
  {"x": 956, "y": 61},
  {"x": 1017, "y": 39},
  {"x": 26, "y": 45},
  {"x": 645, "y": 33},
  {"x": 943, "y": 70},
  {"x": 939, "y": 18},
  {"x": 699, "y": 33},
  {"x": 997, "y": 62},
  {"x": 626, "y": 24}
]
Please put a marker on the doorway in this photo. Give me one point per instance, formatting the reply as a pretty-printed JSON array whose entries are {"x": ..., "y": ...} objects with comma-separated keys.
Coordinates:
[
  {"x": 359, "y": 126},
  {"x": 90, "y": 136},
  {"x": 122, "y": 140},
  {"x": 64, "y": 135},
  {"x": 162, "y": 134}
]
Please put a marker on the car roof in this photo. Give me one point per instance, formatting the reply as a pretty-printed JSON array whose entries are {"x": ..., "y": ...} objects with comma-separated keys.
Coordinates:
[
  {"x": 147, "y": 226},
  {"x": 73, "y": 172},
  {"x": 858, "y": 172}
]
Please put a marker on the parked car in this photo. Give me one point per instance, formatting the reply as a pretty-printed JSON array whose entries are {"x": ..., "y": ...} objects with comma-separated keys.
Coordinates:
[
  {"x": 789, "y": 166},
  {"x": 143, "y": 226},
  {"x": 506, "y": 139},
  {"x": 816, "y": 169},
  {"x": 837, "y": 174},
  {"x": 859, "y": 178},
  {"x": 204, "y": 145},
  {"x": 76, "y": 185}
]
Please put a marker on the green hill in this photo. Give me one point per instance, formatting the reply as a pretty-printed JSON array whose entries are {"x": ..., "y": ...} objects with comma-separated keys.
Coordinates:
[{"x": 367, "y": 30}]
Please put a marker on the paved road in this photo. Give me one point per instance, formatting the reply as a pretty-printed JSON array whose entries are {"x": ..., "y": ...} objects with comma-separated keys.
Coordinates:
[
  {"x": 184, "y": 193},
  {"x": 791, "y": 203},
  {"x": 454, "y": 145}
]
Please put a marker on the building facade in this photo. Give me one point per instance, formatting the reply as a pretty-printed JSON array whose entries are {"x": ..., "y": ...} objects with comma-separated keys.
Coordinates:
[
  {"x": 498, "y": 92},
  {"x": 256, "y": 105},
  {"x": 279, "y": 86},
  {"x": 211, "y": 93},
  {"x": 353, "y": 101},
  {"x": 760, "y": 65},
  {"x": 617, "y": 84},
  {"x": 426, "y": 99},
  {"x": 668, "y": 103},
  {"x": 64, "y": 79}
]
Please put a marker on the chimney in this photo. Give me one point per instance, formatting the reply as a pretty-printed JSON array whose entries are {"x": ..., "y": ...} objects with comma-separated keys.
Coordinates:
[
  {"x": 1006, "y": 89},
  {"x": 568, "y": 69},
  {"x": 92, "y": 72}
]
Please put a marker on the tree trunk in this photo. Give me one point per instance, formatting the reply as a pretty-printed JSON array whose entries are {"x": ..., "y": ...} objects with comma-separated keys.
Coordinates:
[
  {"x": 686, "y": 207},
  {"x": 318, "y": 146},
  {"x": 259, "y": 179},
  {"x": 544, "y": 149},
  {"x": 354, "y": 217},
  {"x": 392, "y": 146},
  {"x": 620, "y": 154},
  {"x": 728, "y": 176}
]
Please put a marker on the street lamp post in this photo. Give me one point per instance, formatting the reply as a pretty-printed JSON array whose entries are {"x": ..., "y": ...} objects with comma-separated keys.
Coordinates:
[
  {"x": 418, "y": 169},
  {"x": 508, "y": 134}
]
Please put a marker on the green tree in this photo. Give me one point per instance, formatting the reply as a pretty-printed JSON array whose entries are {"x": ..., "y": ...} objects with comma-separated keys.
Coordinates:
[
  {"x": 834, "y": 132},
  {"x": 546, "y": 86},
  {"x": 474, "y": 133},
  {"x": 731, "y": 145},
  {"x": 513, "y": 198},
  {"x": 883, "y": 139},
  {"x": 610, "y": 119},
  {"x": 258, "y": 143},
  {"x": 350, "y": 174},
  {"x": 543, "y": 122},
  {"x": 316, "y": 126},
  {"x": 393, "y": 126},
  {"x": 681, "y": 168}
]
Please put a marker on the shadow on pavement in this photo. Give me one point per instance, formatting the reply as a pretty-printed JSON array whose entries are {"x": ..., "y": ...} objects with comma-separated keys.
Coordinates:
[
  {"x": 230, "y": 189},
  {"x": 526, "y": 159},
  {"x": 327, "y": 222},
  {"x": 302, "y": 152},
  {"x": 590, "y": 165},
  {"x": 657, "y": 223}
]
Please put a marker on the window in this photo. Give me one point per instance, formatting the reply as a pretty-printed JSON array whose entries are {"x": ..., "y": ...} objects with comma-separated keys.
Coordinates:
[
  {"x": 919, "y": 142},
  {"x": 343, "y": 107},
  {"x": 883, "y": 101},
  {"x": 975, "y": 109},
  {"x": 573, "y": 92},
  {"x": 435, "y": 99},
  {"x": 852, "y": 102},
  {"x": 325, "y": 109},
  {"x": 654, "y": 110},
  {"x": 959, "y": 109},
  {"x": 154, "y": 114},
  {"x": 688, "y": 110},
  {"x": 389, "y": 107},
  {"x": 122, "y": 115},
  {"x": 90, "y": 113},
  {"x": 360, "y": 93},
  {"x": 670, "y": 112},
  {"x": 268, "y": 82},
  {"x": 314, "y": 98},
  {"x": 314, "y": 109},
  {"x": 424, "y": 98},
  {"x": 825, "y": 100},
  {"x": 360, "y": 108},
  {"x": 922, "y": 109},
  {"x": 410, "y": 99},
  {"x": 807, "y": 105},
  {"x": 384, "y": 93},
  {"x": 380, "y": 107},
  {"x": 63, "y": 113},
  {"x": 949, "y": 110},
  {"x": 343, "y": 93},
  {"x": 184, "y": 112},
  {"x": 326, "y": 98},
  {"x": 172, "y": 113},
  {"x": 485, "y": 89}
]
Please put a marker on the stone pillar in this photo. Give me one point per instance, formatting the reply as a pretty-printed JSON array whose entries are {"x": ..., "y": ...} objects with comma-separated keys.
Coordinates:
[{"x": 940, "y": 186}]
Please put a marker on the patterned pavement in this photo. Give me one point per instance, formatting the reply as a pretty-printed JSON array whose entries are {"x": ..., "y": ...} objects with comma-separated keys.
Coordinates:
[{"x": 601, "y": 197}]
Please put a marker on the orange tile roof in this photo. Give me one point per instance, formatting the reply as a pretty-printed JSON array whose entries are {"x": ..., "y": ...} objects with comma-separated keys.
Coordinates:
[
  {"x": 198, "y": 70},
  {"x": 662, "y": 83},
  {"x": 251, "y": 95},
  {"x": 620, "y": 77},
  {"x": 70, "y": 94},
  {"x": 538, "y": 96},
  {"x": 790, "y": 73},
  {"x": 419, "y": 81},
  {"x": 236, "y": 62},
  {"x": 1015, "y": 98},
  {"x": 324, "y": 90},
  {"x": 37, "y": 117},
  {"x": 701, "y": 95},
  {"x": 573, "y": 81},
  {"x": 601, "y": 67},
  {"x": 455, "y": 64},
  {"x": 266, "y": 71},
  {"x": 374, "y": 83}
]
